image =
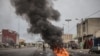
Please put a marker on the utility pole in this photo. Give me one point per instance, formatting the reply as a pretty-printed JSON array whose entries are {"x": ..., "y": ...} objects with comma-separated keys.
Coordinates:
[
  {"x": 68, "y": 20},
  {"x": 82, "y": 32}
]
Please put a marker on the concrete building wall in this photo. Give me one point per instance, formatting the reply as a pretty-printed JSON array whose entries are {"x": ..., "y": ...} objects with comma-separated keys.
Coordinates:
[
  {"x": 17, "y": 40},
  {"x": 97, "y": 34},
  {"x": 0, "y": 38},
  {"x": 79, "y": 30},
  {"x": 85, "y": 27},
  {"x": 67, "y": 37},
  {"x": 21, "y": 40},
  {"x": 93, "y": 25},
  {"x": 9, "y": 36},
  {"x": 89, "y": 26}
]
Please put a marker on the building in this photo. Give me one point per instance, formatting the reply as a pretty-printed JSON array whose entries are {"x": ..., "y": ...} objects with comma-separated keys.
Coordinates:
[
  {"x": 66, "y": 39},
  {"x": 97, "y": 33},
  {"x": 21, "y": 40},
  {"x": 17, "y": 40},
  {"x": 0, "y": 37},
  {"x": 79, "y": 29},
  {"x": 87, "y": 29},
  {"x": 9, "y": 37}
]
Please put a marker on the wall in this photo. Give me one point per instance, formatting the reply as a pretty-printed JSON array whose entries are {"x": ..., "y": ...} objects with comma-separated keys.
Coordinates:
[
  {"x": 89, "y": 26},
  {"x": 0, "y": 38},
  {"x": 67, "y": 37},
  {"x": 97, "y": 34},
  {"x": 93, "y": 25},
  {"x": 78, "y": 30},
  {"x": 8, "y": 36}
]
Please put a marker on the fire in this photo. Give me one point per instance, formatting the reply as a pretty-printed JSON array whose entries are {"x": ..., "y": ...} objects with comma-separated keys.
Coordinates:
[{"x": 61, "y": 52}]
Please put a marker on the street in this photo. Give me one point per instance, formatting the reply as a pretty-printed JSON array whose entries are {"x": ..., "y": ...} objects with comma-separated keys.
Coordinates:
[
  {"x": 25, "y": 52},
  {"x": 37, "y": 52},
  {"x": 81, "y": 53},
  {"x": 17, "y": 52}
]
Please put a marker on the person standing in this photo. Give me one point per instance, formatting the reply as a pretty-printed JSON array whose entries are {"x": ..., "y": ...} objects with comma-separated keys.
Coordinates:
[{"x": 44, "y": 46}]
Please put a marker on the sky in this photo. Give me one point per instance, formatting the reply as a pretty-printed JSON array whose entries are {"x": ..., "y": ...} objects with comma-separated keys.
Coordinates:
[{"x": 69, "y": 9}]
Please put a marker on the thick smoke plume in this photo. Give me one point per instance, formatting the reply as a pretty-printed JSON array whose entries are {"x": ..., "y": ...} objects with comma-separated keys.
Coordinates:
[{"x": 39, "y": 12}]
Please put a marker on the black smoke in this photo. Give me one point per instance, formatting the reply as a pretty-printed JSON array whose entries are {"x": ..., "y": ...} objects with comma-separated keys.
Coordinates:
[{"x": 39, "y": 12}]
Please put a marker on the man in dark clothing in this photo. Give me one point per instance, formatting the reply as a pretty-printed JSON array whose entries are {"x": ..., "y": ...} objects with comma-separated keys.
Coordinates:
[{"x": 43, "y": 47}]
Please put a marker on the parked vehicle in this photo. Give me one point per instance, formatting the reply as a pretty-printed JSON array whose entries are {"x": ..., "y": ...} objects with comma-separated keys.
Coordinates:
[
  {"x": 96, "y": 47},
  {"x": 95, "y": 50}
]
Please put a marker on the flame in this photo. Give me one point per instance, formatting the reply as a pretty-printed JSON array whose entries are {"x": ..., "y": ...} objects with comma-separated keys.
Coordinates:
[{"x": 61, "y": 52}]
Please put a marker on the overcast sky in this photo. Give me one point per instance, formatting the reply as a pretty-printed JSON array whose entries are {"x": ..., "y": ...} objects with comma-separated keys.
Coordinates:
[{"x": 69, "y": 9}]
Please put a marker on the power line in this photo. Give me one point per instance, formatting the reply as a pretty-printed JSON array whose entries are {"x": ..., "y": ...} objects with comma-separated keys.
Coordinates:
[
  {"x": 86, "y": 17},
  {"x": 93, "y": 13},
  {"x": 72, "y": 28}
]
